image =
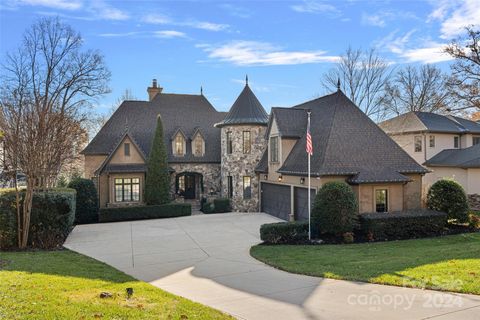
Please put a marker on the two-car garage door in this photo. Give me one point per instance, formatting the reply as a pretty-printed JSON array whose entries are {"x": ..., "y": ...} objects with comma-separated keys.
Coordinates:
[{"x": 277, "y": 201}]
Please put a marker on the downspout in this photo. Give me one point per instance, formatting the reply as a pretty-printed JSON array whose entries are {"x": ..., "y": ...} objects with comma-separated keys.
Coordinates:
[{"x": 424, "y": 147}]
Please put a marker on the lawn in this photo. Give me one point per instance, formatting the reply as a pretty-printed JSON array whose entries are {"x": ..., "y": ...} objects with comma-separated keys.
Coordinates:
[
  {"x": 67, "y": 285},
  {"x": 450, "y": 263}
]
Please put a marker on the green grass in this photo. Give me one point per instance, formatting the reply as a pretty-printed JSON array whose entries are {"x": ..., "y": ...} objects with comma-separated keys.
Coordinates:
[
  {"x": 450, "y": 263},
  {"x": 67, "y": 285}
]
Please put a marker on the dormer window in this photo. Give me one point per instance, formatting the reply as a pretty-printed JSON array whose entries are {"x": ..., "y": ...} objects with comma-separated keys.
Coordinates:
[
  {"x": 179, "y": 145},
  {"x": 198, "y": 146}
]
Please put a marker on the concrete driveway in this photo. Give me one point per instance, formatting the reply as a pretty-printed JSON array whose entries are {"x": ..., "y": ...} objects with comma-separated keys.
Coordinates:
[{"x": 206, "y": 258}]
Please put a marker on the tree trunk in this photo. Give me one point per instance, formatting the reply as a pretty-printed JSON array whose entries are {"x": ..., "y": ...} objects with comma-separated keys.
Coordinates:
[
  {"x": 19, "y": 214},
  {"x": 27, "y": 210}
]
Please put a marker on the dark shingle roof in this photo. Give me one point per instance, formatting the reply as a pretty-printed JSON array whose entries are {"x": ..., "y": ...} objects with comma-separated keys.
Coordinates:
[
  {"x": 245, "y": 110},
  {"x": 347, "y": 142},
  {"x": 187, "y": 113},
  {"x": 262, "y": 166},
  {"x": 291, "y": 123},
  {"x": 416, "y": 121},
  {"x": 115, "y": 168},
  {"x": 463, "y": 158}
]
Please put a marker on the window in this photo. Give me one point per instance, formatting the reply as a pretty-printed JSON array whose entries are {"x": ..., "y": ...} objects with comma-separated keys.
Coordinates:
[
  {"x": 126, "y": 149},
  {"x": 179, "y": 145},
  {"x": 432, "y": 141},
  {"x": 230, "y": 186},
  {"x": 247, "y": 142},
  {"x": 274, "y": 149},
  {"x": 381, "y": 200},
  {"x": 418, "y": 143},
  {"x": 456, "y": 142},
  {"x": 127, "y": 189},
  {"x": 198, "y": 149},
  {"x": 229, "y": 142},
  {"x": 247, "y": 188},
  {"x": 475, "y": 140}
]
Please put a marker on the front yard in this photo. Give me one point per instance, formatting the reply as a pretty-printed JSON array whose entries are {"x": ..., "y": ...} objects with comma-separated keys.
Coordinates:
[
  {"x": 67, "y": 285},
  {"x": 450, "y": 263}
]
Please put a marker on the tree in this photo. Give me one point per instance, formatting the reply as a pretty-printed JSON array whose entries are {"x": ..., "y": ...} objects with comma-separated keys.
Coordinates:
[
  {"x": 362, "y": 76},
  {"x": 464, "y": 83},
  {"x": 157, "y": 185},
  {"x": 421, "y": 88},
  {"x": 47, "y": 85},
  {"x": 86, "y": 210},
  {"x": 448, "y": 196}
]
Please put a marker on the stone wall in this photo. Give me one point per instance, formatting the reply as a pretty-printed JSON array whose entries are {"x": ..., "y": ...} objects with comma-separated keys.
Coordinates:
[
  {"x": 210, "y": 172},
  {"x": 474, "y": 201},
  {"x": 238, "y": 165}
]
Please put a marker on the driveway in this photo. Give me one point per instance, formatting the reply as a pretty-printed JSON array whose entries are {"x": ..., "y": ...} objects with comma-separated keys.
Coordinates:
[{"x": 206, "y": 258}]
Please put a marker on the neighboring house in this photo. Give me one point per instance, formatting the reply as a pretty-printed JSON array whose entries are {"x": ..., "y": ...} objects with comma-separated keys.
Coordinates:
[
  {"x": 347, "y": 146},
  {"x": 449, "y": 146},
  {"x": 257, "y": 161}
]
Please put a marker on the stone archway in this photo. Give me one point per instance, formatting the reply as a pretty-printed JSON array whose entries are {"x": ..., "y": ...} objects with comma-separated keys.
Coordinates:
[{"x": 189, "y": 185}]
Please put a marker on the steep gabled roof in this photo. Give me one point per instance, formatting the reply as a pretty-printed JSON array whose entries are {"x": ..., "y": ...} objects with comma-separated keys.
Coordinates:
[
  {"x": 245, "y": 110},
  {"x": 462, "y": 158},
  {"x": 417, "y": 121},
  {"x": 178, "y": 111},
  {"x": 347, "y": 142},
  {"x": 290, "y": 122}
]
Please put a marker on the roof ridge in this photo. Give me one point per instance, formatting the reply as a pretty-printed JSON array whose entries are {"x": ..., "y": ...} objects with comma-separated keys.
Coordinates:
[{"x": 330, "y": 131}]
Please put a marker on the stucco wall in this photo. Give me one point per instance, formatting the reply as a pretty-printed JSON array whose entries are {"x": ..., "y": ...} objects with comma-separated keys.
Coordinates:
[
  {"x": 473, "y": 181},
  {"x": 412, "y": 192},
  {"x": 237, "y": 164},
  {"x": 458, "y": 174},
  {"x": 92, "y": 163},
  {"x": 119, "y": 156}
]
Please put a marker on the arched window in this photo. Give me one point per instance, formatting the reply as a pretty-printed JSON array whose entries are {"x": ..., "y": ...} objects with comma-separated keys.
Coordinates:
[
  {"x": 179, "y": 145},
  {"x": 198, "y": 146}
]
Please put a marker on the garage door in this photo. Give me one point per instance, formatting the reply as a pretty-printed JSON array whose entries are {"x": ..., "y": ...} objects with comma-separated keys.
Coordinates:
[
  {"x": 276, "y": 200},
  {"x": 300, "y": 202}
]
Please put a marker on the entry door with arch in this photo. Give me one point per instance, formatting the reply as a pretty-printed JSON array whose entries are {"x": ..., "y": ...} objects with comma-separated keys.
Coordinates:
[{"x": 189, "y": 186}]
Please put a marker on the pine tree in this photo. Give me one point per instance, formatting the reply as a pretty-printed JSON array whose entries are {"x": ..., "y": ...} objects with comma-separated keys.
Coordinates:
[{"x": 157, "y": 184}]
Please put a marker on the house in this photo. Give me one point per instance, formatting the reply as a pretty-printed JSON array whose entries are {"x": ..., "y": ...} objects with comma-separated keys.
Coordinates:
[
  {"x": 448, "y": 146},
  {"x": 347, "y": 146},
  {"x": 256, "y": 160}
]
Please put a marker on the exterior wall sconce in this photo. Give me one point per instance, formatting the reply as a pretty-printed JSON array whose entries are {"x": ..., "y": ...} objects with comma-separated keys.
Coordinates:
[
  {"x": 302, "y": 180},
  {"x": 265, "y": 177},
  {"x": 280, "y": 178}
]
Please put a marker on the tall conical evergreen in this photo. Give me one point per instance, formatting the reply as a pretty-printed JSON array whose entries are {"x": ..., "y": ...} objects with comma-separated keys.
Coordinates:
[{"x": 157, "y": 184}]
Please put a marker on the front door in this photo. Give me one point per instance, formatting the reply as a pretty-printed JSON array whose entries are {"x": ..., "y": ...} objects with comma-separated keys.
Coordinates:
[{"x": 189, "y": 186}]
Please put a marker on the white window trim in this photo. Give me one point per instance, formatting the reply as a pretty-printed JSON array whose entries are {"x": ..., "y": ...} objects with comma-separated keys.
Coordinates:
[{"x": 174, "y": 142}]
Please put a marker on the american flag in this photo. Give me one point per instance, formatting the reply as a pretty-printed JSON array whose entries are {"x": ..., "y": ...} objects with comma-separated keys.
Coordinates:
[{"x": 309, "y": 147}]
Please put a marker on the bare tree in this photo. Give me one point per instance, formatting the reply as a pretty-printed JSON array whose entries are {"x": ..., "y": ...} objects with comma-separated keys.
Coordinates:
[
  {"x": 417, "y": 89},
  {"x": 362, "y": 76},
  {"x": 465, "y": 80},
  {"x": 47, "y": 85}
]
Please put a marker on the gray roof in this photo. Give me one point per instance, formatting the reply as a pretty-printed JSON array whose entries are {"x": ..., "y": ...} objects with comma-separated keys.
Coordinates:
[
  {"x": 245, "y": 110},
  {"x": 416, "y": 121},
  {"x": 262, "y": 166},
  {"x": 345, "y": 142},
  {"x": 179, "y": 112},
  {"x": 116, "y": 168},
  {"x": 291, "y": 123},
  {"x": 463, "y": 158}
]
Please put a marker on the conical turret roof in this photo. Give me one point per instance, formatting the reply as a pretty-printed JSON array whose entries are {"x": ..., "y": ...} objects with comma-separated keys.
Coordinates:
[{"x": 246, "y": 110}]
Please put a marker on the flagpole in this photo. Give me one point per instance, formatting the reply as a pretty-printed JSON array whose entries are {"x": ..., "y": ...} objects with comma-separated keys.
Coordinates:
[{"x": 309, "y": 193}]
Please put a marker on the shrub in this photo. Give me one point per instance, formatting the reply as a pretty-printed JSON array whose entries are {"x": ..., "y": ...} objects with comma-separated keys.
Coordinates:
[
  {"x": 145, "y": 212},
  {"x": 53, "y": 213},
  {"x": 157, "y": 182},
  {"x": 221, "y": 205},
  {"x": 403, "y": 225},
  {"x": 284, "y": 232},
  {"x": 335, "y": 209},
  {"x": 87, "y": 201},
  {"x": 348, "y": 237},
  {"x": 448, "y": 196},
  {"x": 474, "y": 221},
  {"x": 208, "y": 207}
]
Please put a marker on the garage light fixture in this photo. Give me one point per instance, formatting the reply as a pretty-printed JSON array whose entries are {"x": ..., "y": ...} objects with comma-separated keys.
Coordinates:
[
  {"x": 302, "y": 180},
  {"x": 280, "y": 178},
  {"x": 265, "y": 177}
]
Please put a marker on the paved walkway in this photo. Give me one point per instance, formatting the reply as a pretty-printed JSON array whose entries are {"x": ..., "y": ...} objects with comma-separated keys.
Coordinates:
[{"x": 206, "y": 258}]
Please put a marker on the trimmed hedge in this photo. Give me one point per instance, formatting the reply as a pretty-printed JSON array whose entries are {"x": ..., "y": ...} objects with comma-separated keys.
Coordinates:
[
  {"x": 145, "y": 212},
  {"x": 87, "y": 201},
  {"x": 448, "y": 196},
  {"x": 53, "y": 213},
  {"x": 403, "y": 225},
  {"x": 219, "y": 205},
  {"x": 284, "y": 232},
  {"x": 335, "y": 209}
]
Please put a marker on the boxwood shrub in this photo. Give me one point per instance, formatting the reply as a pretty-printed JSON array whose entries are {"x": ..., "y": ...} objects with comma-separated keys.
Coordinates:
[
  {"x": 284, "y": 232},
  {"x": 448, "y": 196},
  {"x": 219, "y": 205},
  {"x": 145, "y": 212},
  {"x": 53, "y": 213},
  {"x": 87, "y": 200},
  {"x": 403, "y": 225}
]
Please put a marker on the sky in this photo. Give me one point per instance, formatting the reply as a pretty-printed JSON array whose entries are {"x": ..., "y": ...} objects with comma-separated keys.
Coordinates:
[{"x": 284, "y": 46}]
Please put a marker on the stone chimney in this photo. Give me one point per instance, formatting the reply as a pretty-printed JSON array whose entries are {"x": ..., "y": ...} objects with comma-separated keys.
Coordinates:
[{"x": 153, "y": 90}]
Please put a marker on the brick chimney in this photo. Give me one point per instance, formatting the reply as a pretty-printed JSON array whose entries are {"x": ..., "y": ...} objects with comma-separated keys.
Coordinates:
[{"x": 153, "y": 90}]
